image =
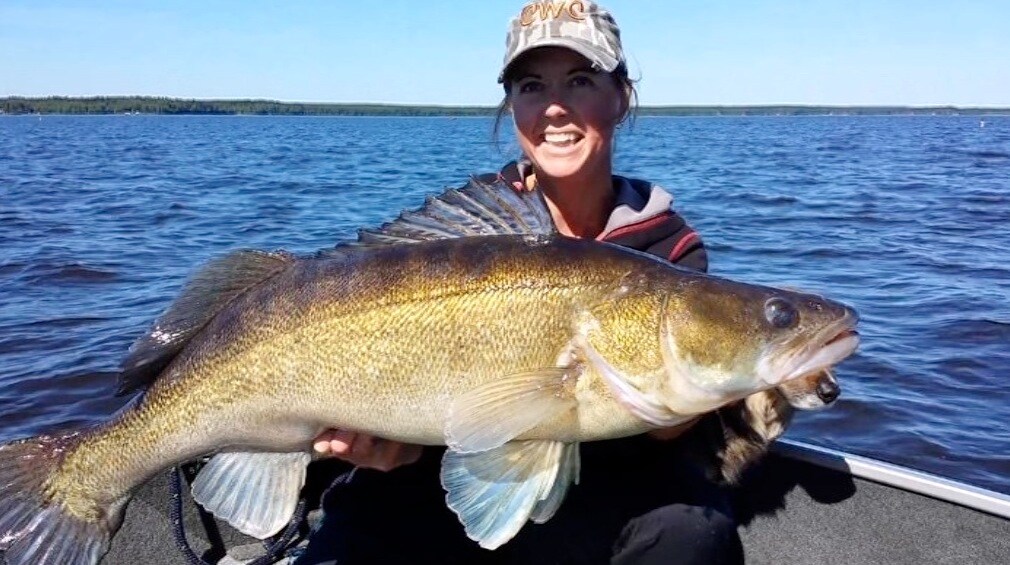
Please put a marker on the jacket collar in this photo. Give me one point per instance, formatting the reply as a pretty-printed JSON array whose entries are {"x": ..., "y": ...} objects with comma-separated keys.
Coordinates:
[{"x": 636, "y": 202}]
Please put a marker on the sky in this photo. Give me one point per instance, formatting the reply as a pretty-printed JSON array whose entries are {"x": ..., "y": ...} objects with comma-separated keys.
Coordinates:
[{"x": 706, "y": 52}]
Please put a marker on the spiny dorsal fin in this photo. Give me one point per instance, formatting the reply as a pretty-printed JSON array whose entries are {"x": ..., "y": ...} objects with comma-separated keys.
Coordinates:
[
  {"x": 207, "y": 293},
  {"x": 479, "y": 208}
]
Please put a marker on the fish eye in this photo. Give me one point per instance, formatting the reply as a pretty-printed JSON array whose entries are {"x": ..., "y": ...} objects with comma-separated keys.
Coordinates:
[{"x": 780, "y": 313}]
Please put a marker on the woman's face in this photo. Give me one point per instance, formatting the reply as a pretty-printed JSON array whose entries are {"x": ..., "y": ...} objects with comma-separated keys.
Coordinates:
[{"x": 565, "y": 112}]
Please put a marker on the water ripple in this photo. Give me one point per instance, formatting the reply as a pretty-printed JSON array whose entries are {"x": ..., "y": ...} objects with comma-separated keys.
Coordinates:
[{"x": 103, "y": 218}]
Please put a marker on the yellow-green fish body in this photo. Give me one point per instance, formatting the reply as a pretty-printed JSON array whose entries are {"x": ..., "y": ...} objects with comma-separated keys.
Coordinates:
[{"x": 501, "y": 339}]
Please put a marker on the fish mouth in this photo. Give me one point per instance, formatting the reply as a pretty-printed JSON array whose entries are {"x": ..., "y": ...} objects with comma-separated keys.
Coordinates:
[{"x": 828, "y": 348}]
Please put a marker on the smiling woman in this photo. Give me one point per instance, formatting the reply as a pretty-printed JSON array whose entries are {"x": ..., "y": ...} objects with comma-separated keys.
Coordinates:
[
  {"x": 639, "y": 500},
  {"x": 565, "y": 112}
]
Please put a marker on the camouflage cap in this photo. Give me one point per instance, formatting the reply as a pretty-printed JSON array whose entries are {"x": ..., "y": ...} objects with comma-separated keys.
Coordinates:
[{"x": 579, "y": 25}]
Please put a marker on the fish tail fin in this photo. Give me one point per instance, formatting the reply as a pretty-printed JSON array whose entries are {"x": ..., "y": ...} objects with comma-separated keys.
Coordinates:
[{"x": 38, "y": 524}]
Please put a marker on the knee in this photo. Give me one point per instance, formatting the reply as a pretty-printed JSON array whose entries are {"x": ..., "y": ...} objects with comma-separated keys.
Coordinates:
[
  {"x": 679, "y": 517},
  {"x": 680, "y": 533}
]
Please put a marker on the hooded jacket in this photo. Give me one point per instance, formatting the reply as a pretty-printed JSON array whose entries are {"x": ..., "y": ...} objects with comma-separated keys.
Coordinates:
[{"x": 642, "y": 219}]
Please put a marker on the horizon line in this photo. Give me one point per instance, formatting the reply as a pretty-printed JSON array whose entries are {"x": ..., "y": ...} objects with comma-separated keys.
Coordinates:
[{"x": 97, "y": 97}]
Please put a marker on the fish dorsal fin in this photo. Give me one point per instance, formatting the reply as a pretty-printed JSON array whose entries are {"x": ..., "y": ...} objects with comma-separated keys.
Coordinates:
[
  {"x": 211, "y": 289},
  {"x": 480, "y": 208}
]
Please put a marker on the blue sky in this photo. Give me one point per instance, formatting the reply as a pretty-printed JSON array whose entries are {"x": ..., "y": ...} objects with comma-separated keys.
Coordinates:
[{"x": 440, "y": 52}]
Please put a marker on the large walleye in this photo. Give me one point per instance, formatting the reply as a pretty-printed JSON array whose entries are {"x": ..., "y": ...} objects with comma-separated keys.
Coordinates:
[{"x": 470, "y": 323}]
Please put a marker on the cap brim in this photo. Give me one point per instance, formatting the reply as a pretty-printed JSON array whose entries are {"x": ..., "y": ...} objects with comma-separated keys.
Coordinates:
[{"x": 604, "y": 61}]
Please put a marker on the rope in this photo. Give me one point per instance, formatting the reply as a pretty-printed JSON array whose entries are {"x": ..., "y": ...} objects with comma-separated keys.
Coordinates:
[{"x": 175, "y": 513}]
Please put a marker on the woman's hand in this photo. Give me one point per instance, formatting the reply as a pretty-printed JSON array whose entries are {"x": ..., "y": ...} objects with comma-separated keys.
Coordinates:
[{"x": 366, "y": 451}]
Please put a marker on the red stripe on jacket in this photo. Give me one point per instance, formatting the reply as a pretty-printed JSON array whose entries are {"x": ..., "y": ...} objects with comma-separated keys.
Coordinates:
[
  {"x": 635, "y": 228},
  {"x": 682, "y": 245}
]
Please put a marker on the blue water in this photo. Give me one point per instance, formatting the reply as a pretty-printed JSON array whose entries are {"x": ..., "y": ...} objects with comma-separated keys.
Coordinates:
[{"x": 905, "y": 218}]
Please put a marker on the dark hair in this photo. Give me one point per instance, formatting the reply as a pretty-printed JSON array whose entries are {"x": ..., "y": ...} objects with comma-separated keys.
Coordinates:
[{"x": 620, "y": 77}]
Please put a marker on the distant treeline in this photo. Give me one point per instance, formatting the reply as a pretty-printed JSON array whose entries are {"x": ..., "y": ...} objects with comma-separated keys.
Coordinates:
[{"x": 158, "y": 105}]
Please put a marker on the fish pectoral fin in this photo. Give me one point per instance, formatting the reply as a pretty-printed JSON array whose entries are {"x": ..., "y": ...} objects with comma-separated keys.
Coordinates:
[
  {"x": 492, "y": 414},
  {"x": 495, "y": 492},
  {"x": 635, "y": 401},
  {"x": 254, "y": 492}
]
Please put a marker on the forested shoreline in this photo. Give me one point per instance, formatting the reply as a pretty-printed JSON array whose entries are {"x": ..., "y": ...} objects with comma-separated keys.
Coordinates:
[{"x": 15, "y": 105}]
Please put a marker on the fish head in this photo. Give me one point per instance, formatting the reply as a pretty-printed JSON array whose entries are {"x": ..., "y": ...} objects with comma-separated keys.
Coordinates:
[{"x": 723, "y": 340}]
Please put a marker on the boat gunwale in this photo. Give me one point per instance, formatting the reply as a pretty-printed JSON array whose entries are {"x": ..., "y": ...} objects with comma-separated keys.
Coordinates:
[{"x": 904, "y": 478}]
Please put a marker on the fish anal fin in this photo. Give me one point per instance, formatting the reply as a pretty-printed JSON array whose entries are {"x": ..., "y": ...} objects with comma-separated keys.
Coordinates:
[
  {"x": 254, "y": 492},
  {"x": 502, "y": 410},
  {"x": 208, "y": 292},
  {"x": 495, "y": 492}
]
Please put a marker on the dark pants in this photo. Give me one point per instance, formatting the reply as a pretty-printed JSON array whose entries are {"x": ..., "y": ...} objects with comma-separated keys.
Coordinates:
[{"x": 637, "y": 502}]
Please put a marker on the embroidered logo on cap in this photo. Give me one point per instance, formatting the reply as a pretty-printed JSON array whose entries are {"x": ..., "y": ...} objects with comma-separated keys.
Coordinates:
[{"x": 543, "y": 11}]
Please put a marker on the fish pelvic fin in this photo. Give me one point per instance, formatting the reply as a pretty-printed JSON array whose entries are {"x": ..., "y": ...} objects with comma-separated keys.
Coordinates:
[
  {"x": 497, "y": 412},
  {"x": 209, "y": 291},
  {"x": 482, "y": 207},
  {"x": 495, "y": 492},
  {"x": 568, "y": 474},
  {"x": 38, "y": 525},
  {"x": 254, "y": 492}
]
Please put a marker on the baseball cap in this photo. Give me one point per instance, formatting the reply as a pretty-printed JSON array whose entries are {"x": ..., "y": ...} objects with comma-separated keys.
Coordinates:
[{"x": 579, "y": 25}]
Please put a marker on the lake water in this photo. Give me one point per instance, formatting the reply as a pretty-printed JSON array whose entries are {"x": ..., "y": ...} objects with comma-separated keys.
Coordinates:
[{"x": 905, "y": 218}]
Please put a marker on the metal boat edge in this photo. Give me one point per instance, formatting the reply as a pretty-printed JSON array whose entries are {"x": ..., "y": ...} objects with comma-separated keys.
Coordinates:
[{"x": 897, "y": 476}]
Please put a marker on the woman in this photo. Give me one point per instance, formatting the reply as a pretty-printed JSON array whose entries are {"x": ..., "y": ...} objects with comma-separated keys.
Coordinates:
[{"x": 567, "y": 87}]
